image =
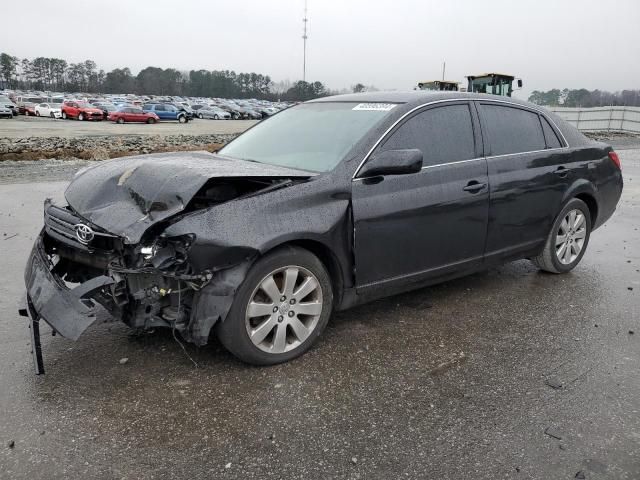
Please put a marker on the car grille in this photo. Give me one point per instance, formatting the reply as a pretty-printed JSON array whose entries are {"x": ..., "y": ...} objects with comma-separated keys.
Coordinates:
[{"x": 60, "y": 224}]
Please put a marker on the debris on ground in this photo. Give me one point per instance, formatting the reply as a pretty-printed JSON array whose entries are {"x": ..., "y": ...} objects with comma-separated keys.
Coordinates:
[
  {"x": 354, "y": 460},
  {"x": 580, "y": 475},
  {"x": 11, "y": 444},
  {"x": 124, "y": 360},
  {"x": 554, "y": 383},
  {"x": 553, "y": 433}
]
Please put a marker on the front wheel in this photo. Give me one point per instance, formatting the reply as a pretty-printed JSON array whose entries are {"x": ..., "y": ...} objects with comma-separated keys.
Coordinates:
[
  {"x": 151, "y": 120},
  {"x": 64, "y": 115},
  {"x": 280, "y": 309},
  {"x": 568, "y": 239},
  {"x": 182, "y": 119},
  {"x": 52, "y": 115},
  {"x": 81, "y": 116},
  {"x": 120, "y": 120}
]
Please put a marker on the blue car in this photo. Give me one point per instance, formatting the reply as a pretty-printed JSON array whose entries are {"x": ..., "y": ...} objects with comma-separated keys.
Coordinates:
[{"x": 166, "y": 111}]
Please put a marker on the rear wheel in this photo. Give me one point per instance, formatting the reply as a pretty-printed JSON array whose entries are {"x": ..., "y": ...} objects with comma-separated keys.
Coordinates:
[
  {"x": 120, "y": 120},
  {"x": 568, "y": 239},
  {"x": 280, "y": 309}
]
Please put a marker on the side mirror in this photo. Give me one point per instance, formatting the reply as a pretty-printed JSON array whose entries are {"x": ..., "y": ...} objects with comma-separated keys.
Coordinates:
[
  {"x": 519, "y": 83},
  {"x": 393, "y": 162}
]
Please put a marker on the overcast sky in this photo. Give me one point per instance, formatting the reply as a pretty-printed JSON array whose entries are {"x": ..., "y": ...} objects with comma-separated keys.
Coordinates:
[{"x": 387, "y": 43}]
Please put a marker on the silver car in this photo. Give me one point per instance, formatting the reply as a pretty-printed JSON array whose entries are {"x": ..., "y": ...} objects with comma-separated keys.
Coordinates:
[
  {"x": 5, "y": 112},
  {"x": 214, "y": 113}
]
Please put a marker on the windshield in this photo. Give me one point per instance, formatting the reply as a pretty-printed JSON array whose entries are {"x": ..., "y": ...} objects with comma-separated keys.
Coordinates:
[{"x": 311, "y": 136}]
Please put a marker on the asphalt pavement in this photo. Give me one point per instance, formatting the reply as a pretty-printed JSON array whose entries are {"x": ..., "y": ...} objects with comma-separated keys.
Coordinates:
[{"x": 508, "y": 373}]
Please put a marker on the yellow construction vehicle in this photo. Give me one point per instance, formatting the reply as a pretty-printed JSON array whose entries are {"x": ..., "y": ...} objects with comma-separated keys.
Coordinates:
[{"x": 492, "y": 83}]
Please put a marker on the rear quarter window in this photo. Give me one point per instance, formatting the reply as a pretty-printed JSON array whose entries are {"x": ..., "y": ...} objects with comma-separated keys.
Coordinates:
[
  {"x": 549, "y": 134},
  {"x": 512, "y": 130}
]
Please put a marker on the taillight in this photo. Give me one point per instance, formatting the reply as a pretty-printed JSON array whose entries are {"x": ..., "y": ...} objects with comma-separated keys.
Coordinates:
[{"x": 615, "y": 159}]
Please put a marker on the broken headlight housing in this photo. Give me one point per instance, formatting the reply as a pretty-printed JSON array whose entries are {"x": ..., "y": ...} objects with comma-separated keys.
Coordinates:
[{"x": 168, "y": 253}]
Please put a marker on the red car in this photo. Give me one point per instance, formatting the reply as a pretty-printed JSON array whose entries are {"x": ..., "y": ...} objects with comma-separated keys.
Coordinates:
[
  {"x": 80, "y": 110},
  {"x": 132, "y": 114},
  {"x": 28, "y": 109}
]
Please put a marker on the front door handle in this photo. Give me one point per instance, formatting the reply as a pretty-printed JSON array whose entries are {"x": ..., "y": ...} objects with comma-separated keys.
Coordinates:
[
  {"x": 474, "y": 186},
  {"x": 561, "y": 171}
]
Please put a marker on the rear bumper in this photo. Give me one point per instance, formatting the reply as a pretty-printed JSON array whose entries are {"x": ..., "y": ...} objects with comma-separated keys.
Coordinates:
[{"x": 68, "y": 311}]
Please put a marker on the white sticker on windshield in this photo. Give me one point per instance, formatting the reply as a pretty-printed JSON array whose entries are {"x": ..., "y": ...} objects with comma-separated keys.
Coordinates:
[{"x": 380, "y": 107}]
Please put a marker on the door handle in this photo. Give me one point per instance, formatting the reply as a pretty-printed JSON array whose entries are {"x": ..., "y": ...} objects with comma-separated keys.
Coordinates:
[
  {"x": 474, "y": 186},
  {"x": 561, "y": 171}
]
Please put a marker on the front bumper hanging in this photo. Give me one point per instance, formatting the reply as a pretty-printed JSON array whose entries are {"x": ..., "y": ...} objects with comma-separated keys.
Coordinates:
[{"x": 69, "y": 312}]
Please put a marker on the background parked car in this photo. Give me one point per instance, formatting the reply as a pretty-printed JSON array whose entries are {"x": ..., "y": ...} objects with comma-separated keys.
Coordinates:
[
  {"x": 48, "y": 110},
  {"x": 81, "y": 111},
  {"x": 133, "y": 114},
  {"x": 7, "y": 103},
  {"x": 5, "y": 112},
  {"x": 28, "y": 109},
  {"x": 214, "y": 113},
  {"x": 106, "y": 108},
  {"x": 166, "y": 111}
]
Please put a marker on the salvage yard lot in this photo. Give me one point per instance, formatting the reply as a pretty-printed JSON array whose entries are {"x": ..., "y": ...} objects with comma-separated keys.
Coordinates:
[
  {"x": 509, "y": 373},
  {"x": 20, "y": 127}
]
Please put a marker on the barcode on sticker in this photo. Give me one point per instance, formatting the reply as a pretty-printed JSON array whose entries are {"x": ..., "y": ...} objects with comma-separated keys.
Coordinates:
[{"x": 380, "y": 107}]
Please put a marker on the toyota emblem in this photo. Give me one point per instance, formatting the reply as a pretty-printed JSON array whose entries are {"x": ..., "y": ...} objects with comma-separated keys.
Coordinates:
[{"x": 84, "y": 233}]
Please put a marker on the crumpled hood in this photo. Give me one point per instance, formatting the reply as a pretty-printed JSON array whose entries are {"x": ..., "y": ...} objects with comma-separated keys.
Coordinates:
[{"x": 125, "y": 196}]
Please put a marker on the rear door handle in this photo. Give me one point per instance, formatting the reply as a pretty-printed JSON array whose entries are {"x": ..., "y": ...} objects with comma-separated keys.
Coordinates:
[
  {"x": 474, "y": 186},
  {"x": 561, "y": 171}
]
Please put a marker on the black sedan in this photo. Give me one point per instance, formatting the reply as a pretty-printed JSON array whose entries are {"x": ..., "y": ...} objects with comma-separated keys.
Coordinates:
[{"x": 326, "y": 205}]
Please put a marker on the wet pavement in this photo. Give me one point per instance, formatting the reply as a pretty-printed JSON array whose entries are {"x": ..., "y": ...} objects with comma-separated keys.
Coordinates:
[{"x": 509, "y": 373}]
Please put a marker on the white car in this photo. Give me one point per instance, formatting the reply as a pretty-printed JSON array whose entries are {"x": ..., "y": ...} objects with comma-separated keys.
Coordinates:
[{"x": 48, "y": 110}]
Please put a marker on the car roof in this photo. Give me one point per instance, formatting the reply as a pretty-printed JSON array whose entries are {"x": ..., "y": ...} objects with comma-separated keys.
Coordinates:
[{"x": 418, "y": 97}]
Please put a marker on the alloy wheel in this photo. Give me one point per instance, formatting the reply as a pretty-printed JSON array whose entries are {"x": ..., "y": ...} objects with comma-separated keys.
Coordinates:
[
  {"x": 284, "y": 309},
  {"x": 570, "y": 237}
]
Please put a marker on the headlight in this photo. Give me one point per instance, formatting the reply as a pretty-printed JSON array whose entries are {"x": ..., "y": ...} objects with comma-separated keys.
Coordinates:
[{"x": 168, "y": 252}]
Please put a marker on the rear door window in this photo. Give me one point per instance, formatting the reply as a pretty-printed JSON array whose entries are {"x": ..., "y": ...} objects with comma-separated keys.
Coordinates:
[
  {"x": 512, "y": 130},
  {"x": 549, "y": 134},
  {"x": 443, "y": 135}
]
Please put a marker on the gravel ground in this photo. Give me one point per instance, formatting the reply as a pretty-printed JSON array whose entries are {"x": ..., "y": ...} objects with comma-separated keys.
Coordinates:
[{"x": 508, "y": 373}]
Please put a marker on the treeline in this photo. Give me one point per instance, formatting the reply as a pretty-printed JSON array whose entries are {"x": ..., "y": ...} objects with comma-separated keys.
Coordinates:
[
  {"x": 585, "y": 98},
  {"x": 55, "y": 74}
]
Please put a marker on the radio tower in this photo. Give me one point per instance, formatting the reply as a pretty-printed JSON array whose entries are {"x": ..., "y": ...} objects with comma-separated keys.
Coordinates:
[{"x": 304, "y": 43}]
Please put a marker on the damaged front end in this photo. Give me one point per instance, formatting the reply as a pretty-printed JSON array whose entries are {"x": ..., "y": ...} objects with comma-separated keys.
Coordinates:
[
  {"x": 111, "y": 247},
  {"x": 74, "y": 265}
]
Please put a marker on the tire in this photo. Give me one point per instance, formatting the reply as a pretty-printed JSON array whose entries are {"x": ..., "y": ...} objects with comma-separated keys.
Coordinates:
[
  {"x": 561, "y": 256},
  {"x": 200, "y": 116},
  {"x": 151, "y": 121},
  {"x": 37, "y": 113},
  {"x": 64, "y": 116},
  {"x": 81, "y": 116},
  {"x": 182, "y": 119},
  {"x": 52, "y": 115},
  {"x": 120, "y": 120},
  {"x": 216, "y": 117},
  {"x": 279, "y": 333}
]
